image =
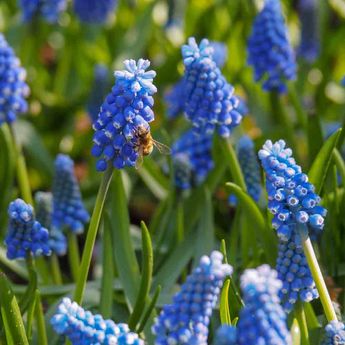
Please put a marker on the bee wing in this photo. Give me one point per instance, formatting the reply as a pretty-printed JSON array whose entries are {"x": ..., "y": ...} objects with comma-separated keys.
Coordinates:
[
  {"x": 165, "y": 150},
  {"x": 140, "y": 160}
]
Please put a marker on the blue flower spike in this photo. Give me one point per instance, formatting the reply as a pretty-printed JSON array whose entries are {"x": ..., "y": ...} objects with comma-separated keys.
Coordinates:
[
  {"x": 210, "y": 103},
  {"x": 192, "y": 159},
  {"x": 84, "y": 328},
  {"x": 226, "y": 335},
  {"x": 13, "y": 88},
  {"x": 186, "y": 320},
  {"x": 124, "y": 117},
  {"x": 269, "y": 51},
  {"x": 44, "y": 209},
  {"x": 25, "y": 235},
  {"x": 295, "y": 206},
  {"x": 262, "y": 320},
  {"x": 94, "y": 12},
  {"x": 335, "y": 334},
  {"x": 50, "y": 10},
  {"x": 68, "y": 207}
]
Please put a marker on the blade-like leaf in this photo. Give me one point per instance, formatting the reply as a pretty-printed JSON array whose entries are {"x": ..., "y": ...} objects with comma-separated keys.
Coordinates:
[{"x": 224, "y": 311}]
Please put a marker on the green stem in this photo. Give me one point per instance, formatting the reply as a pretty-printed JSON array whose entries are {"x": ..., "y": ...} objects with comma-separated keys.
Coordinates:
[
  {"x": 55, "y": 269},
  {"x": 302, "y": 322},
  {"x": 233, "y": 163},
  {"x": 41, "y": 326},
  {"x": 91, "y": 235},
  {"x": 30, "y": 317},
  {"x": 73, "y": 255},
  {"x": 302, "y": 117},
  {"x": 318, "y": 278}
]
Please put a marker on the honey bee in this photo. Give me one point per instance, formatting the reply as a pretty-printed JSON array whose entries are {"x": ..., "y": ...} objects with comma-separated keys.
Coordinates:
[{"x": 146, "y": 144}]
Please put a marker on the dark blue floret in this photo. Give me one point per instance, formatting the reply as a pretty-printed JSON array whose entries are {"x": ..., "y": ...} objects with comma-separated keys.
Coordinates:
[
  {"x": 84, "y": 328},
  {"x": 295, "y": 206},
  {"x": 68, "y": 208},
  {"x": 310, "y": 42},
  {"x": 13, "y": 88},
  {"x": 335, "y": 334},
  {"x": 25, "y": 235},
  {"x": 44, "y": 208},
  {"x": 210, "y": 103},
  {"x": 94, "y": 11},
  {"x": 186, "y": 320},
  {"x": 262, "y": 320},
  {"x": 269, "y": 51},
  {"x": 48, "y": 9},
  {"x": 98, "y": 91},
  {"x": 250, "y": 168},
  {"x": 226, "y": 335},
  {"x": 192, "y": 159},
  {"x": 125, "y": 113}
]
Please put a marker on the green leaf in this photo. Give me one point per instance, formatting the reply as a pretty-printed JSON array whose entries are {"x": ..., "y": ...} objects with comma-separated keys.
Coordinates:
[
  {"x": 13, "y": 322},
  {"x": 15, "y": 266},
  {"x": 319, "y": 168},
  {"x": 146, "y": 278},
  {"x": 29, "y": 295},
  {"x": 295, "y": 333},
  {"x": 124, "y": 255},
  {"x": 257, "y": 220},
  {"x": 315, "y": 137},
  {"x": 224, "y": 311}
]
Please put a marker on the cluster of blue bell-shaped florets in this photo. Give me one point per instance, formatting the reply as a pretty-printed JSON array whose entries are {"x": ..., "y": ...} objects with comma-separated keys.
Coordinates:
[
  {"x": 81, "y": 327},
  {"x": 25, "y": 235},
  {"x": 335, "y": 334},
  {"x": 192, "y": 159},
  {"x": 13, "y": 88},
  {"x": 186, "y": 320},
  {"x": 269, "y": 51},
  {"x": 94, "y": 12},
  {"x": 210, "y": 103},
  {"x": 68, "y": 208},
  {"x": 297, "y": 213},
  {"x": 48, "y": 9},
  {"x": 44, "y": 210},
  {"x": 250, "y": 167},
  {"x": 125, "y": 116}
]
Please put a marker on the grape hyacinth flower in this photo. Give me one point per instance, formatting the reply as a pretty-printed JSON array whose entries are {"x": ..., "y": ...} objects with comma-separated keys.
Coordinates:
[
  {"x": 250, "y": 168},
  {"x": 308, "y": 15},
  {"x": 262, "y": 320},
  {"x": 220, "y": 53},
  {"x": 192, "y": 159},
  {"x": 13, "y": 88},
  {"x": 210, "y": 103},
  {"x": 295, "y": 206},
  {"x": 335, "y": 334},
  {"x": 186, "y": 320},
  {"x": 49, "y": 9},
  {"x": 94, "y": 12},
  {"x": 25, "y": 235},
  {"x": 84, "y": 328},
  {"x": 124, "y": 116},
  {"x": 68, "y": 208},
  {"x": 269, "y": 51},
  {"x": 98, "y": 91},
  {"x": 226, "y": 335},
  {"x": 44, "y": 207}
]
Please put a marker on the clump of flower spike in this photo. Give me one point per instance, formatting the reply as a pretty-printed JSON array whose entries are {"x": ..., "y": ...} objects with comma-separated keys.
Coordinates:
[
  {"x": 68, "y": 208},
  {"x": 262, "y": 320},
  {"x": 94, "y": 12},
  {"x": 192, "y": 159},
  {"x": 175, "y": 97},
  {"x": 335, "y": 334},
  {"x": 13, "y": 88},
  {"x": 25, "y": 235},
  {"x": 126, "y": 112},
  {"x": 269, "y": 51},
  {"x": 44, "y": 207},
  {"x": 48, "y": 9},
  {"x": 84, "y": 328},
  {"x": 226, "y": 335},
  {"x": 186, "y": 320},
  {"x": 296, "y": 210},
  {"x": 210, "y": 103},
  {"x": 309, "y": 45},
  {"x": 250, "y": 168},
  {"x": 98, "y": 91}
]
